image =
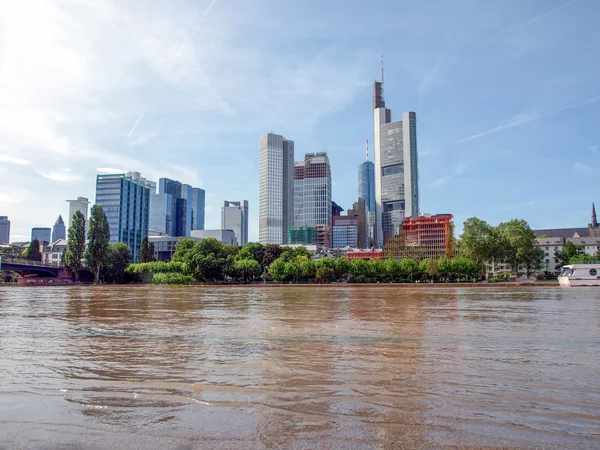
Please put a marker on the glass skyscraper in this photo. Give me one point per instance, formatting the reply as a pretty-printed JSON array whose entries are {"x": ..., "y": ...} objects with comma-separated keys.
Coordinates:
[
  {"x": 162, "y": 214},
  {"x": 276, "y": 189},
  {"x": 366, "y": 192},
  {"x": 234, "y": 216},
  {"x": 195, "y": 207},
  {"x": 396, "y": 171},
  {"x": 4, "y": 230},
  {"x": 125, "y": 199},
  {"x": 42, "y": 234},
  {"x": 59, "y": 230},
  {"x": 312, "y": 191},
  {"x": 183, "y": 203}
]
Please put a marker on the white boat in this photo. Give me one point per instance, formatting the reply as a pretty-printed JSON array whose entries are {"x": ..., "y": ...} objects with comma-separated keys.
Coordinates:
[{"x": 580, "y": 275}]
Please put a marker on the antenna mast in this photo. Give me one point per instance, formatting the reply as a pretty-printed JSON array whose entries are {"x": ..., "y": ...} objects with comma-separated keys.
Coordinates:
[
  {"x": 367, "y": 149},
  {"x": 382, "y": 99}
]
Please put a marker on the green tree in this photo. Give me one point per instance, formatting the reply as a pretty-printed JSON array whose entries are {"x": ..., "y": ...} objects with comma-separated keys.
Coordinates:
[
  {"x": 342, "y": 268},
  {"x": 517, "y": 241},
  {"x": 183, "y": 248},
  {"x": 270, "y": 253},
  {"x": 533, "y": 260},
  {"x": 445, "y": 266},
  {"x": 252, "y": 250},
  {"x": 568, "y": 252},
  {"x": 73, "y": 257},
  {"x": 430, "y": 267},
  {"x": 118, "y": 258},
  {"x": 33, "y": 251},
  {"x": 583, "y": 258},
  {"x": 12, "y": 251},
  {"x": 247, "y": 267},
  {"x": 325, "y": 273},
  {"x": 463, "y": 267},
  {"x": 277, "y": 270},
  {"x": 478, "y": 241},
  {"x": 146, "y": 251},
  {"x": 409, "y": 267},
  {"x": 98, "y": 240}
]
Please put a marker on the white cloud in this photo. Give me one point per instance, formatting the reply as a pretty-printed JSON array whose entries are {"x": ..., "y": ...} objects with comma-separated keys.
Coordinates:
[
  {"x": 439, "y": 182},
  {"x": 109, "y": 170},
  {"x": 584, "y": 168},
  {"x": 62, "y": 177},
  {"x": 14, "y": 160}
]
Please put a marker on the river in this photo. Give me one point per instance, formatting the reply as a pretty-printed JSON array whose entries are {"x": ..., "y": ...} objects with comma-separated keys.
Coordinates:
[{"x": 299, "y": 367}]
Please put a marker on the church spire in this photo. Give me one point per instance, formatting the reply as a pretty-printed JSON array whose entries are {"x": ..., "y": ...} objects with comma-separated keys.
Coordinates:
[{"x": 594, "y": 221}]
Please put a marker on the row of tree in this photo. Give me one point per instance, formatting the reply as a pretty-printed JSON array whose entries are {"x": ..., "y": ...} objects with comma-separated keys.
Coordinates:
[{"x": 212, "y": 261}]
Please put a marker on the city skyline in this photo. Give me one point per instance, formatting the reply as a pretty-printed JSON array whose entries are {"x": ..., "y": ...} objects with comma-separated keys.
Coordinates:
[{"x": 128, "y": 106}]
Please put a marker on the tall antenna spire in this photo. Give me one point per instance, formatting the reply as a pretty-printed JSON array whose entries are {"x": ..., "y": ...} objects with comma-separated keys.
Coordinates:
[
  {"x": 382, "y": 99},
  {"x": 594, "y": 221},
  {"x": 367, "y": 149}
]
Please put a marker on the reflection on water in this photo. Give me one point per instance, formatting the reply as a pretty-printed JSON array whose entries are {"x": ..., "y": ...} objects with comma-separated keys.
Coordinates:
[{"x": 299, "y": 367}]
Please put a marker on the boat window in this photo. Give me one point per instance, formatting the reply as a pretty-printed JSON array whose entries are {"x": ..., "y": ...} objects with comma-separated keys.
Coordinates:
[
  {"x": 593, "y": 272},
  {"x": 566, "y": 272}
]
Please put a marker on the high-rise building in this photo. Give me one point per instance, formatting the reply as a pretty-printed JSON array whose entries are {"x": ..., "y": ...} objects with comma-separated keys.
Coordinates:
[
  {"x": 366, "y": 192},
  {"x": 276, "y": 189},
  {"x": 185, "y": 206},
  {"x": 42, "y": 234},
  {"x": 81, "y": 205},
  {"x": 162, "y": 214},
  {"x": 234, "y": 216},
  {"x": 302, "y": 235},
  {"x": 195, "y": 206},
  {"x": 312, "y": 191},
  {"x": 125, "y": 199},
  {"x": 345, "y": 232},
  {"x": 359, "y": 212},
  {"x": 4, "y": 230},
  {"x": 59, "y": 231},
  {"x": 426, "y": 236},
  {"x": 396, "y": 171},
  {"x": 224, "y": 236}
]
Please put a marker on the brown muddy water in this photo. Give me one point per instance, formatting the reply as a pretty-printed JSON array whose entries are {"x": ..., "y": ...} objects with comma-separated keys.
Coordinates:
[{"x": 299, "y": 367}]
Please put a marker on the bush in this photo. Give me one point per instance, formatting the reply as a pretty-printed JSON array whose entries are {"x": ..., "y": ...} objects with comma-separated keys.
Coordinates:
[{"x": 172, "y": 278}]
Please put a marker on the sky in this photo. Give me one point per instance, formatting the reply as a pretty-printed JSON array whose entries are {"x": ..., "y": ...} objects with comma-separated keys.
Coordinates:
[{"x": 506, "y": 95}]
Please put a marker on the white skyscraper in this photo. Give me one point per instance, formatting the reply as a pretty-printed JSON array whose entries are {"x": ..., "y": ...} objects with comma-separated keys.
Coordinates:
[
  {"x": 234, "y": 216},
  {"x": 276, "y": 186},
  {"x": 81, "y": 205},
  {"x": 396, "y": 171}
]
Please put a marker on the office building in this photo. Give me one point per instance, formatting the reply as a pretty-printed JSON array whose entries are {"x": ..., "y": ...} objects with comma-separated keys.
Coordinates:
[
  {"x": 224, "y": 236},
  {"x": 426, "y": 236},
  {"x": 195, "y": 206},
  {"x": 366, "y": 192},
  {"x": 234, "y": 216},
  {"x": 4, "y": 230},
  {"x": 323, "y": 236},
  {"x": 81, "y": 205},
  {"x": 336, "y": 210},
  {"x": 42, "y": 234},
  {"x": 302, "y": 236},
  {"x": 345, "y": 232},
  {"x": 312, "y": 191},
  {"x": 396, "y": 171},
  {"x": 125, "y": 199},
  {"x": 59, "y": 230},
  {"x": 165, "y": 246},
  {"x": 359, "y": 212},
  {"x": 276, "y": 189},
  {"x": 162, "y": 218}
]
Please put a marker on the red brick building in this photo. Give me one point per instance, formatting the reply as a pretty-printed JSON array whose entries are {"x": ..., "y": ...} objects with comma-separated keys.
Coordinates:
[{"x": 432, "y": 234}]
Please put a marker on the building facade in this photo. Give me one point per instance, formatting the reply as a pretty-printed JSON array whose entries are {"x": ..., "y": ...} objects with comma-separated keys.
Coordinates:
[
  {"x": 312, "y": 191},
  {"x": 162, "y": 218},
  {"x": 53, "y": 253},
  {"x": 550, "y": 246},
  {"x": 125, "y": 199},
  {"x": 396, "y": 170},
  {"x": 430, "y": 234},
  {"x": 165, "y": 246},
  {"x": 359, "y": 212},
  {"x": 345, "y": 232},
  {"x": 59, "y": 230},
  {"x": 224, "y": 236},
  {"x": 234, "y": 216},
  {"x": 179, "y": 208},
  {"x": 81, "y": 205},
  {"x": 276, "y": 189},
  {"x": 302, "y": 236},
  {"x": 366, "y": 192},
  {"x": 42, "y": 234},
  {"x": 195, "y": 206},
  {"x": 4, "y": 230}
]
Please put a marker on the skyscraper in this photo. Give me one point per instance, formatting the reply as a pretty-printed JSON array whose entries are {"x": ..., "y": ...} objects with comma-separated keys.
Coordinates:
[
  {"x": 185, "y": 206},
  {"x": 312, "y": 191},
  {"x": 276, "y": 189},
  {"x": 42, "y": 234},
  {"x": 125, "y": 199},
  {"x": 234, "y": 216},
  {"x": 366, "y": 192},
  {"x": 195, "y": 206},
  {"x": 81, "y": 205},
  {"x": 59, "y": 231},
  {"x": 396, "y": 172},
  {"x": 162, "y": 214},
  {"x": 4, "y": 230}
]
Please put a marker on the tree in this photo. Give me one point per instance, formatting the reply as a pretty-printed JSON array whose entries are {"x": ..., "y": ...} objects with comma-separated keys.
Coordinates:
[
  {"x": 533, "y": 260},
  {"x": 73, "y": 257},
  {"x": 478, "y": 241},
  {"x": 252, "y": 250},
  {"x": 118, "y": 258},
  {"x": 517, "y": 241},
  {"x": 409, "y": 267},
  {"x": 568, "y": 252},
  {"x": 270, "y": 253},
  {"x": 430, "y": 267},
  {"x": 247, "y": 267},
  {"x": 325, "y": 273},
  {"x": 146, "y": 251},
  {"x": 12, "y": 251},
  {"x": 445, "y": 266},
  {"x": 98, "y": 240},
  {"x": 33, "y": 251}
]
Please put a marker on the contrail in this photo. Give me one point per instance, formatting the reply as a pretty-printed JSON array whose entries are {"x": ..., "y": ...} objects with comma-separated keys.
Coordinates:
[
  {"x": 547, "y": 13},
  {"x": 138, "y": 121},
  {"x": 200, "y": 21},
  {"x": 525, "y": 120}
]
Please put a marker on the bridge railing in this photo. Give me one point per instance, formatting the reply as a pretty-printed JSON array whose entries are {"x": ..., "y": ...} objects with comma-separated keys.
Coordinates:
[{"x": 26, "y": 262}]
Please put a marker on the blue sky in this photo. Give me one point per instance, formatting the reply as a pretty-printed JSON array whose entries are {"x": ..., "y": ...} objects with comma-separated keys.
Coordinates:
[{"x": 506, "y": 95}]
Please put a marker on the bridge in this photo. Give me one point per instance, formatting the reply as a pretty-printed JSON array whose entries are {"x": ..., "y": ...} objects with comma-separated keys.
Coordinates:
[{"x": 24, "y": 267}]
